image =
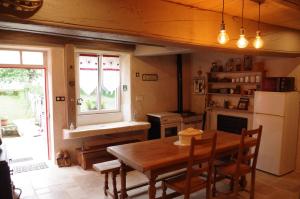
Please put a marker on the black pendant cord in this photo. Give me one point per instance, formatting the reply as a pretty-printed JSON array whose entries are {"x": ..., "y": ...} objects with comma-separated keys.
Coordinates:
[
  {"x": 258, "y": 24},
  {"x": 223, "y": 13},
  {"x": 243, "y": 14}
]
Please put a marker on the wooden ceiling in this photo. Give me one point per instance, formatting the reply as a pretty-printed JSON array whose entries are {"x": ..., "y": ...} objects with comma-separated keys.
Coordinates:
[{"x": 284, "y": 13}]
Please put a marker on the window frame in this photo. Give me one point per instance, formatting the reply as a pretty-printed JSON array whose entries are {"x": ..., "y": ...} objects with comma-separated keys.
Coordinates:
[
  {"x": 99, "y": 55},
  {"x": 21, "y": 65}
]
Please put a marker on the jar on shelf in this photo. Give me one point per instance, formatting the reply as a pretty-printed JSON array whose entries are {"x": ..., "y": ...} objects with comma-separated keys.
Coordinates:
[
  {"x": 241, "y": 79},
  {"x": 226, "y": 103},
  {"x": 257, "y": 78},
  {"x": 246, "y": 79},
  {"x": 252, "y": 79}
]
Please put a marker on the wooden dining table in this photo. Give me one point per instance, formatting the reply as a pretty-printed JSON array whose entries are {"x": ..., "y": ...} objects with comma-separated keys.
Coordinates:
[{"x": 157, "y": 157}]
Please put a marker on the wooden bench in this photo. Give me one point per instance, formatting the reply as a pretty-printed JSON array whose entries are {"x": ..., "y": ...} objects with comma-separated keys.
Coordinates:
[
  {"x": 106, "y": 168},
  {"x": 95, "y": 138},
  {"x": 95, "y": 151},
  {"x": 113, "y": 167}
]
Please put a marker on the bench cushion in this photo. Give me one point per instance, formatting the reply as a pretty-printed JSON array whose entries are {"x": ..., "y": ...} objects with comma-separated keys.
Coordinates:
[{"x": 108, "y": 166}]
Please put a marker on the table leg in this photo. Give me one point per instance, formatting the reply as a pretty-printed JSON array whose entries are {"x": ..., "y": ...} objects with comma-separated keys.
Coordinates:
[
  {"x": 243, "y": 182},
  {"x": 152, "y": 188},
  {"x": 123, "y": 181},
  {"x": 145, "y": 135},
  {"x": 106, "y": 184}
]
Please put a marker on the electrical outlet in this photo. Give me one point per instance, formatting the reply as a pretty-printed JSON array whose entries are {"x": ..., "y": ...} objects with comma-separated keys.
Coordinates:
[{"x": 60, "y": 98}]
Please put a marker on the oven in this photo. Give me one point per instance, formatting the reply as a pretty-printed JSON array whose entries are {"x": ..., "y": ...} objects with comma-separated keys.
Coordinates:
[
  {"x": 167, "y": 130},
  {"x": 164, "y": 124}
]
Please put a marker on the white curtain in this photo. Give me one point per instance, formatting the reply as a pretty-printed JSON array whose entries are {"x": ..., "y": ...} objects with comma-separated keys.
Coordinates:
[{"x": 110, "y": 72}]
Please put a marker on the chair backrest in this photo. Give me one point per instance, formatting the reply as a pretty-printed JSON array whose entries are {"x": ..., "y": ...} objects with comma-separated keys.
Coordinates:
[
  {"x": 204, "y": 120},
  {"x": 206, "y": 161},
  {"x": 248, "y": 150}
]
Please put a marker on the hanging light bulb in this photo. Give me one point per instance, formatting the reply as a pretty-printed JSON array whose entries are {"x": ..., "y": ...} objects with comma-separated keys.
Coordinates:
[
  {"x": 223, "y": 37},
  {"x": 242, "y": 41},
  {"x": 258, "y": 42}
]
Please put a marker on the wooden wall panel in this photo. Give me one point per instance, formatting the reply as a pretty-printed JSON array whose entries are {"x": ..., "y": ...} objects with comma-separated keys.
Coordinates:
[
  {"x": 71, "y": 89},
  {"x": 32, "y": 39}
]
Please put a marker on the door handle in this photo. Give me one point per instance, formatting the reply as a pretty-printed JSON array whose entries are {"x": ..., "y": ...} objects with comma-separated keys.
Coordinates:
[{"x": 79, "y": 101}]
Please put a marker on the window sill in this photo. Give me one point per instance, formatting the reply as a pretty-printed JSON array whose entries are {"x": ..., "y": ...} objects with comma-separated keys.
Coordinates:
[{"x": 105, "y": 129}]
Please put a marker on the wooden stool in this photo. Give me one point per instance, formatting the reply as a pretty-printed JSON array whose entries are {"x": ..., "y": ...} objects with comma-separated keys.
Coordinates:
[{"x": 105, "y": 168}]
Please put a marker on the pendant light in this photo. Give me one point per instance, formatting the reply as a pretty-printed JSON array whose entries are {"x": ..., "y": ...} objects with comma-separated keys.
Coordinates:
[
  {"x": 242, "y": 42},
  {"x": 258, "y": 42},
  {"x": 223, "y": 36}
]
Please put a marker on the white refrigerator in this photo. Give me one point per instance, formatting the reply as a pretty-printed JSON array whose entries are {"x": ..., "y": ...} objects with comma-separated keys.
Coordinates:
[{"x": 278, "y": 113}]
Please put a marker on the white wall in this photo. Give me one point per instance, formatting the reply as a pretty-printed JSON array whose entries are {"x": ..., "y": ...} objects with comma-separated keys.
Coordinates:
[
  {"x": 161, "y": 95},
  {"x": 155, "y": 96},
  {"x": 201, "y": 61},
  {"x": 275, "y": 66},
  {"x": 285, "y": 67}
]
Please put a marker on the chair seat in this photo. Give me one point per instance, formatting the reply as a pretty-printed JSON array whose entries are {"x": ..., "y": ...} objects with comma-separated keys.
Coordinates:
[
  {"x": 178, "y": 183},
  {"x": 231, "y": 169}
]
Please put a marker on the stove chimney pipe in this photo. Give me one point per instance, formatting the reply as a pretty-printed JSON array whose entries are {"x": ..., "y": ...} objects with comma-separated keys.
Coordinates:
[{"x": 179, "y": 83}]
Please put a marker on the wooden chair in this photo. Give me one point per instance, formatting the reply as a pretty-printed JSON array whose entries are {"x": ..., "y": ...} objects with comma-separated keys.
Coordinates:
[
  {"x": 191, "y": 181},
  {"x": 244, "y": 164}
]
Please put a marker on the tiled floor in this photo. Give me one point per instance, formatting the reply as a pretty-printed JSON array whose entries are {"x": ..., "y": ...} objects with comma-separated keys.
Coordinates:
[{"x": 75, "y": 183}]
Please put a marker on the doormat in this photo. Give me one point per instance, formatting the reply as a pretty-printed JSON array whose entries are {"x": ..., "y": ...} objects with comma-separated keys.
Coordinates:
[
  {"x": 30, "y": 167},
  {"x": 21, "y": 160}
]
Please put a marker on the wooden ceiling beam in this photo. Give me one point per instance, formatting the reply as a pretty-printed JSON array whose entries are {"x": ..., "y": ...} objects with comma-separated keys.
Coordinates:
[
  {"x": 147, "y": 22},
  {"x": 293, "y": 4}
]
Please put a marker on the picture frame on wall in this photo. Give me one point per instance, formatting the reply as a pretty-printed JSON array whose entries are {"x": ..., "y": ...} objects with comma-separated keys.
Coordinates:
[
  {"x": 199, "y": 86},
  {"x": 243, "y": 103},
  {"x": 150, "y": 77}
]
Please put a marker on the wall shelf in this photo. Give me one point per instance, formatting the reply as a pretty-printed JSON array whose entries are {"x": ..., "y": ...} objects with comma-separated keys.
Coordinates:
[
  {"x": 229, "y": 110},
  {"x": 235, "y": 83},
  {"x": 243, "y": 72},
  {"x": 229, "y": 95}
]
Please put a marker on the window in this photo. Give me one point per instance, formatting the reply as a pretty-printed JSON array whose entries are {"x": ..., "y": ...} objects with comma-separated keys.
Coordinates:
[
  {"x": 99, "y": 83},
  {"x": 22, "y": 57},
  {"x": 10, "y": 57},
  {"x": 32, "y": 58}
]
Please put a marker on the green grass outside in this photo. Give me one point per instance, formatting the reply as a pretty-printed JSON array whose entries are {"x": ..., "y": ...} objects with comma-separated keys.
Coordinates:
[{"x": 14, "y": 107}]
